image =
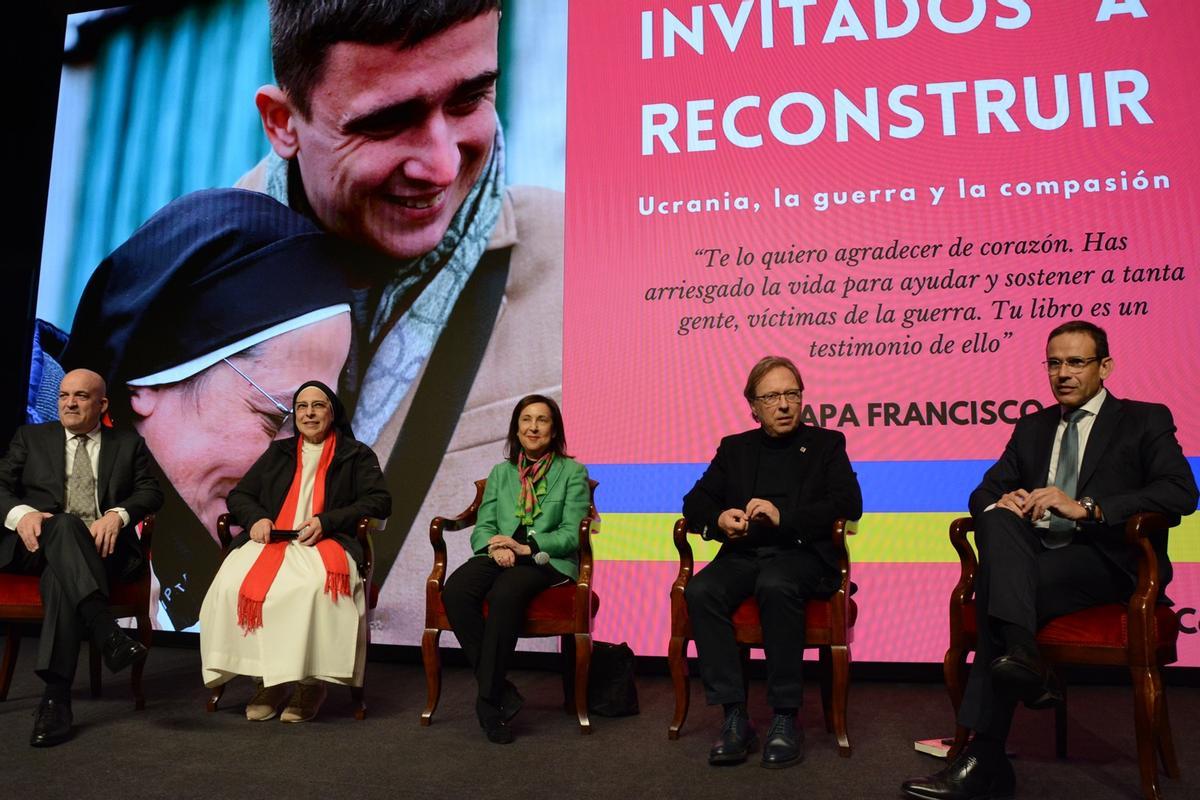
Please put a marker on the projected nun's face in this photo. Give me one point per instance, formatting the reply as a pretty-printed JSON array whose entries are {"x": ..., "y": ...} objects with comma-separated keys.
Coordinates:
[
  {"x": 206, "y": 432},
  {"x": 396, "y": 138}
]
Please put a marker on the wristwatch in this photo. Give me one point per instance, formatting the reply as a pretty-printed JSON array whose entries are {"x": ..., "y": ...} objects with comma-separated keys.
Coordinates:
[{"x": 1089, "y": 507}]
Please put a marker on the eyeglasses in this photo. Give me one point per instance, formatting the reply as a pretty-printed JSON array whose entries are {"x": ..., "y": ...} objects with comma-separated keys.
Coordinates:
[
  {"x": 1073, "y": 364},
  {"x": 284, "y": 410},
  {"x": 773, "y": 398}
]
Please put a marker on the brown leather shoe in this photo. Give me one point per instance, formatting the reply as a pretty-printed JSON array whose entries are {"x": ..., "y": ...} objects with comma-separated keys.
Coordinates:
[{"x": 305, "y": 703}]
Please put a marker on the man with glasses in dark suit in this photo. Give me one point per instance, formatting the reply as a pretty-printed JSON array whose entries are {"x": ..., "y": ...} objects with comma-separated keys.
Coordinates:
[
  {"x": 770, "y": 496},
  {"x": 1049, "y": 523}
]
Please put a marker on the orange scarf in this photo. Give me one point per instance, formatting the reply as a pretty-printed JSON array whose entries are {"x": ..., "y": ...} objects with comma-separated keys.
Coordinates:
[{"x": 262, "y": 574}]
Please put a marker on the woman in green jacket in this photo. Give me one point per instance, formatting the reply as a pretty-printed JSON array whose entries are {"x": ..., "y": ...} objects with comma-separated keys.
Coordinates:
[{"x": 525, "y": 540}]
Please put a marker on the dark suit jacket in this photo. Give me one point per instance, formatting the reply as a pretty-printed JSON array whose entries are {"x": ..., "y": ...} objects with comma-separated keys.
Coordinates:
[
  {"x": 824, "y": 489},
  {"x": 33, "y": 472},
  {"x": 1132, "y": 463},
  {"x": 354, "y": 488}
]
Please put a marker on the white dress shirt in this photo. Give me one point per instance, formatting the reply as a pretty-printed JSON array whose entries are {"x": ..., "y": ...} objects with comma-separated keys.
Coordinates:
[
  {"x": 1083, "y": 429},
  {"x": 93, "y": 439}
]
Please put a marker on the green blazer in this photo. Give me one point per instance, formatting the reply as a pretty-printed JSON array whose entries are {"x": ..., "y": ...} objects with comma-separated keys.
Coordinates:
[{"x": 556, "y": 529}]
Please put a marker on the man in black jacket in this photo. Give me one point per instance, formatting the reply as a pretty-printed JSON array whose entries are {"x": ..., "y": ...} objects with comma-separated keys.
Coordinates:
[
  {"x": 771, "y": 496},
  {"x": 1050, "y": 518},
  {"x": 71, "y": 494}
]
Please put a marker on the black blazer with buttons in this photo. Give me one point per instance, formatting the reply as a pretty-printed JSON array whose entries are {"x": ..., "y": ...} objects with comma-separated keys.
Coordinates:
[
  {"x": 1132, "y": 463},
  {"x": 823, "y": 489}
]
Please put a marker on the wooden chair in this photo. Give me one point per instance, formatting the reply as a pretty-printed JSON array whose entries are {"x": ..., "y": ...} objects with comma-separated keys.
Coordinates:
[
  {"x": 1140, "y": 635},
  {"x": 828, "y": 626},
  {"x": 21, "y": 603},
  {"x": 566, "y": 611},
  {"x": 363, "y": 533}
]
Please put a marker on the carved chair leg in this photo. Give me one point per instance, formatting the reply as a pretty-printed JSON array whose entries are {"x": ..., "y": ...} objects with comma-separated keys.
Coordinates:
[
  {"x": 146, "y": 637},
  {"x": 214, "y": 697},
  {"x": 954, "y": 669},
  {"x": 825, "y": 672},
  {"x": 432, "y": 658},
  {"x": 566, "y": 650},
  {"x": 1162, "y": 732},
  {"x": 358, "y": 695},
  {"x": 583, "y": 662},
  {"x": 840, "y": 655},
  {"x": 12, "y": 646},
  {"x": 677, "y": 661},
  {"x": 1060, "y": 724},
  {"x": 1143, "y": 718}
]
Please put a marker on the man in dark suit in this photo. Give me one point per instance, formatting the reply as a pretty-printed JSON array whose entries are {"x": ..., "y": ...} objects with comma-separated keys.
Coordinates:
[
  {"x": 70, "y": 496},
  {"x": 1050, "y": 518},
  {"x": 770, "y": 496}
]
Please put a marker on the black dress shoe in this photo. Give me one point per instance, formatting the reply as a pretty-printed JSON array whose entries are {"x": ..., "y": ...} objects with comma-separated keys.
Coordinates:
[
  {"x": 497, "y": 731},
  {"x": 120, "y": 651},
  {"x": 1024, "y": 680},
  {"x": 784, "y": 745},
  {"x": 511, "y": 702},
  {"x": 737, "y": 739},
  {"x": 968, "y": 777},
  {"x": 51, "y": 723}
]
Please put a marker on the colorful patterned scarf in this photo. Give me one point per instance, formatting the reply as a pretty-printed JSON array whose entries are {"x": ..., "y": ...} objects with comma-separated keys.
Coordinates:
[
  {"x": 533, "y": 486},
  {"x": 262, "y": 574},
  {"x": 404, "y": 337}
]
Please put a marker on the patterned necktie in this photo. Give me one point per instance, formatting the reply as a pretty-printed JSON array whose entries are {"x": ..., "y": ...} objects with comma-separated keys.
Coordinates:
[
  {"x": 81, "y": 487},
  {"x": 1066, "y": 477}
]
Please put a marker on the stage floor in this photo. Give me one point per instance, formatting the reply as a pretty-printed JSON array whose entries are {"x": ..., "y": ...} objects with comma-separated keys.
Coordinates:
[{"x": 173, "y": 749}]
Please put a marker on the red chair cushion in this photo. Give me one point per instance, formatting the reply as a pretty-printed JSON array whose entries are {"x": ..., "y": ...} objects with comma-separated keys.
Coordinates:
[
  {"x": 20, "y": 590},
  {"x": 1099, "y": 626},
  {"x": 816, "y": 613},
  {"x": 126, "y": 594},
  {"x": 557, "y": 602}
]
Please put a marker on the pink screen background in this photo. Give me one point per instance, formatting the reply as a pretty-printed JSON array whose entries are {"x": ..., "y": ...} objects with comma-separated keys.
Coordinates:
[
  {"x": 614, "y": 340},
  {"x": 638, "y": 394}
]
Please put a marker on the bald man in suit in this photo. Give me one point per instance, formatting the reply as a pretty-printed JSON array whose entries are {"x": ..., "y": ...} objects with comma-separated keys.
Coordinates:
[{"x": 71, "y": 494}]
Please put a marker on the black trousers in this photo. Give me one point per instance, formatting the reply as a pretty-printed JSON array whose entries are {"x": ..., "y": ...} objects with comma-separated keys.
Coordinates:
[
  {"x": 780, "y": 579},
  {"x": 489, "y": 642},
  {"x": 1022, "y": 582},
  {"x": 71, "y": 571}
]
